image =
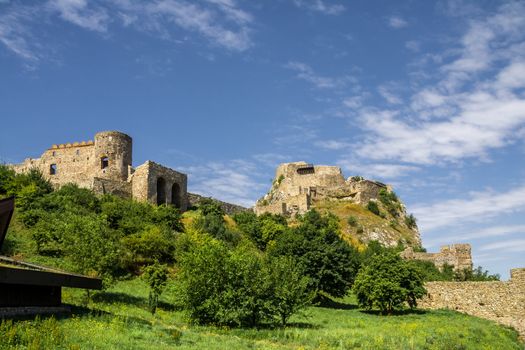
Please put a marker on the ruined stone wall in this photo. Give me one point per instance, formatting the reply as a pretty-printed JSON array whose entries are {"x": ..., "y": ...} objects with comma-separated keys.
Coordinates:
[
  {"x": 158, "y": 184},
  {"x": 458, "y": 256},
  {"x": 360, "y": 191},
  {"x": 228, "y": 208},
  {"x": 503, "y": 302},
  {"x": 81, "y": 162}
]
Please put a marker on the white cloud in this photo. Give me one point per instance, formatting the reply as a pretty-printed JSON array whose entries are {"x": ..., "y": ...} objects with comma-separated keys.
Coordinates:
[
  {"x": 397, "y": 22},
  {"x": 376, "y": 170},
  {"x": 332, "y": 144},
  {"x": 515, "y": 245},
  {"x": 305, "y": 72},
  {"x": 413, "y": 45},
  {"x": 81, "y": 14},
  {"x": 320, "y": 6},
  {"x": 479, "y": 206},
  {"x": 386, "y": 92},
  {"x": 447, "y": 124},
  {"x": 221, "y": 22},
  {"x": 499, "y": 231},
  {"x": 231, "y": 182}
]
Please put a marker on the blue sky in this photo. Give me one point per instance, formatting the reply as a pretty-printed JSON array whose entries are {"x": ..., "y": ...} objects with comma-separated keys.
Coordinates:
[{"x": 426, "y": 95}]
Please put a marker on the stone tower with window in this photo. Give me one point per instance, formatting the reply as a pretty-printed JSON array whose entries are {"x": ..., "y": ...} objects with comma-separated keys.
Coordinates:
[{"x": 105, "y": 166}]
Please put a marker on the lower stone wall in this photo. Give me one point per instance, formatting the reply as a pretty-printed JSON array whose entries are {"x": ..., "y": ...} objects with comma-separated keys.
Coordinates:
[
  {"x": 503, "y": 302},
  {"x": 229, "y": 208},
  {"x": 105, "y": 186}
]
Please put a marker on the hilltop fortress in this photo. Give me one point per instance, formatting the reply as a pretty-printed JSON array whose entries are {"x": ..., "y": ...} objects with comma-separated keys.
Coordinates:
[
  {"x": 105, "y": 166},
  {"x": 297, "y": 185}
]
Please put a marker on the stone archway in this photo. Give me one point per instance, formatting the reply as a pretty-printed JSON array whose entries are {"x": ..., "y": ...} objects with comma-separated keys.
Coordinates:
[
  {"x": 161, "y": 191},
  {"x": 176, "y": 199}
]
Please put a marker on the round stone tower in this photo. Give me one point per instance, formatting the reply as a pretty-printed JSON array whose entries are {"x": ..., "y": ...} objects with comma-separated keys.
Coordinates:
[{"x": 113, "y": 151}]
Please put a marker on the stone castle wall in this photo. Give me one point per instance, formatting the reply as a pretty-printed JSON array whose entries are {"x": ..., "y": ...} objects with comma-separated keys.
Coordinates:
[
  {"x": 105, "y": 166},
  {"x": 298, "y": 185},
  {"x": 503, "y": 302},
  {"x": 458, "y": 256}
]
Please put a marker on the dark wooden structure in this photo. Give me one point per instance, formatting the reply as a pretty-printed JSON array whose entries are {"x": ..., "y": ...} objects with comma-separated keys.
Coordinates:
[{"x": 28, "y": 285}]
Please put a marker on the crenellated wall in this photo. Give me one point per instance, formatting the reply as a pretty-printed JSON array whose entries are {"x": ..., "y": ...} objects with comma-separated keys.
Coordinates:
[
  {"x": 105, "y": 166},
  {"x": 500, "y": 301}
]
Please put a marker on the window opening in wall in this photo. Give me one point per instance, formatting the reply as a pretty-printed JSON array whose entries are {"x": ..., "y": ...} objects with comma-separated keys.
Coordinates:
[
  {"x": 54, "y": 153},
  {"x": 78, "y": 152},
  {"x": 175, "y": 195},
  {"x": 161, "y": 191},
  {"x": 104, "y": 162},
  {"x": 52, "y": 169}
]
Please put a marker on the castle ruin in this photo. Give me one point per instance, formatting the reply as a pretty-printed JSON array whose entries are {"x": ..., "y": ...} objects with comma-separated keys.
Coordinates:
[
  {"x": 456, "y": 255},
  {"x": 105, "y": 166},
  {"x": 297, "y": 185}
]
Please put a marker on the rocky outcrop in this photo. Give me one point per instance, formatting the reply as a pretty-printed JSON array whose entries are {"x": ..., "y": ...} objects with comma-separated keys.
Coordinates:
[{"x": 300, "y": 186}]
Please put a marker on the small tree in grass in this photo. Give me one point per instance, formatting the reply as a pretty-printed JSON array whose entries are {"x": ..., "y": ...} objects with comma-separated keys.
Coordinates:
[
  {"x": 388, "y": 282},
  {"x": 155, "y": 276}
]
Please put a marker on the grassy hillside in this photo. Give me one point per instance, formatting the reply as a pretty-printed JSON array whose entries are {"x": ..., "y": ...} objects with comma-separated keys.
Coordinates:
[
  {"x": 117, "y": 319},
  {"x": 368, "y": 226}
]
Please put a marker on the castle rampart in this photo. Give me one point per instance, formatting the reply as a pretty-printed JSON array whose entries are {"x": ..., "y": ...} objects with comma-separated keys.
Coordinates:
[
  {"x": 500, "y": 301},
  {"x": 105, "y": 166}
]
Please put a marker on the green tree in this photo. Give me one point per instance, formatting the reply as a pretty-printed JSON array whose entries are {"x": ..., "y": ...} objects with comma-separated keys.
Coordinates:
[
  {"x": 156, "y": 277},
  {"x": 288, "y": 287},
  {"x": 329, "y": 261},
  {"x": 388, "y": 282}
]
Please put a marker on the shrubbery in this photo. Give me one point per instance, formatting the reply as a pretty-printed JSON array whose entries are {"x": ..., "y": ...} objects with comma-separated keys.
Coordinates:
[
  {"x": 238, "y": 287},
  {"x": 373, "y": 207},
  {"x": 329, "y": 261},
  {"x": 388, "y": 283}
]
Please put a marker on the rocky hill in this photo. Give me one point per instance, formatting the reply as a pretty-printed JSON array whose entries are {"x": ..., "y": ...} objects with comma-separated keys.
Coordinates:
[{"x": 368, "y": 210}]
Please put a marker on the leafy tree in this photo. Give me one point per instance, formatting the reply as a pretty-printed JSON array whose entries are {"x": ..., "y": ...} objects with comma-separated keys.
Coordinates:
[
  {"x": 153, "y": 243},
  {"x": 261, "y": 229},
  {"x": 477, "y": 274},
  {"x": 288, "y": 286},
  {"x": 329, "y": 261},
  {"x": 156, "y": 277},
  {"x": 212, "y": 221},
  {"x": 388, "y": 282},
  {"x": 238, "y": 287}
]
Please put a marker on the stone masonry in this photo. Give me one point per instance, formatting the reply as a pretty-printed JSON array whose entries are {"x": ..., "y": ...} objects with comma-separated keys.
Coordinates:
[
  {"x": 456, "y": 255},
  {"x": 297, "y": 185},
  {"x": 105, "y": 166},
  {"x": 500, "y": 301}
]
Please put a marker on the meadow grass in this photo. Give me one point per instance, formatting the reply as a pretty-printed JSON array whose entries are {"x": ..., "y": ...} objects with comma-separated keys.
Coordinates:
[{"x": 118, "y": 319}]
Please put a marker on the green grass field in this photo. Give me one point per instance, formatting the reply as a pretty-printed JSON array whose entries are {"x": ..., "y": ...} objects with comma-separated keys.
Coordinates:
[{"x": 118, "y": 319}]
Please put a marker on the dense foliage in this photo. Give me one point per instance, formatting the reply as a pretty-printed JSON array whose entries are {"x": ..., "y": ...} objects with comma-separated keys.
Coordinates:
[
  {"x": 388, "y": 283},
  {"x": 329, "y": 261},
  {"x": 238, "y": 287},
  {"x": 156, "y": 277}
]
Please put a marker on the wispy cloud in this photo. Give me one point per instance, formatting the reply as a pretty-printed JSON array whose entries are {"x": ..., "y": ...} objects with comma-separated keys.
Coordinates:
[
  {"x": 221, "y": 22},
  {"x": 382, "y": 171},
  {"x": 80, "y": 13},
  {"x": 306, "y": 73},
  {"x": 397, "y": 22},
  {"x": 498, "y": 231},
  {"x": 477, "y": 207},
  {"x": 447, "y": 121},
  {"x": 515, "y": 245},
  {"x": 233, "y": 181},
  {"x": 320, "y": 6}
]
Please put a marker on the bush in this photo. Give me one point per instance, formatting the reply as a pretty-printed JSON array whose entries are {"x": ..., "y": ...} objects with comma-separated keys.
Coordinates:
[
  {"x": 352, "y": 221},
  {"x": 410, "y": 221},
  {"x": 155, "y": 276},
  {"x": 388, "y": 282},
  {"x": 373, "y": 207}
]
